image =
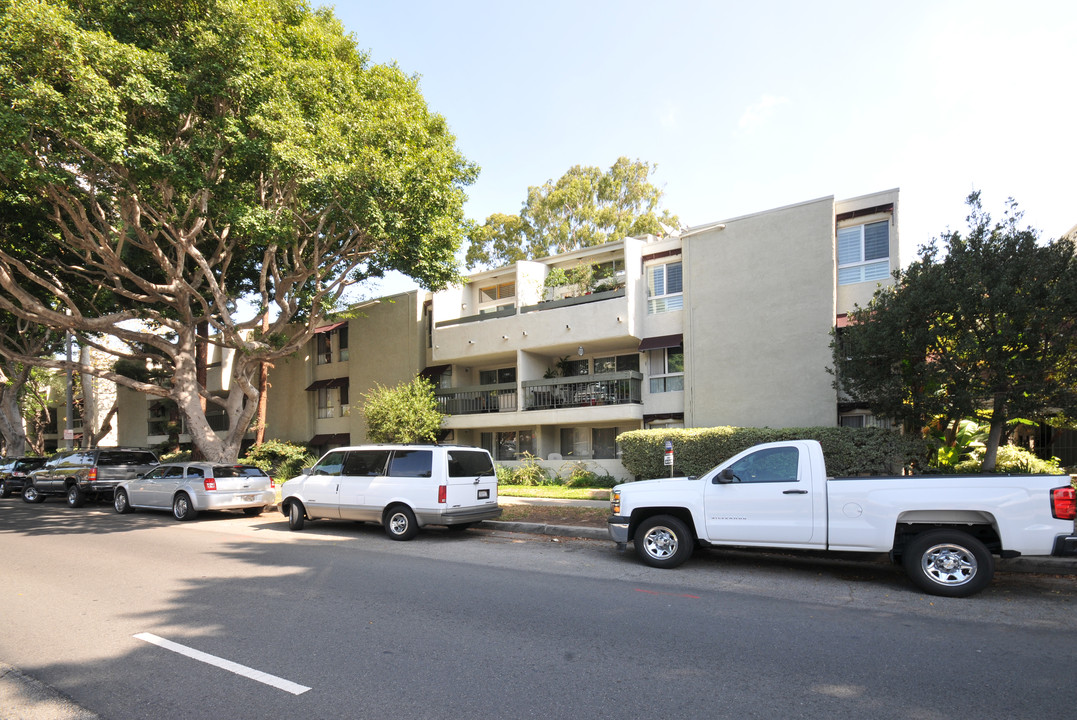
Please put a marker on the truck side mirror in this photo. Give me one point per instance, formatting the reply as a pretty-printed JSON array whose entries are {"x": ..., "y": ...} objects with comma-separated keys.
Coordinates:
[{"x": 724, "y": 477}]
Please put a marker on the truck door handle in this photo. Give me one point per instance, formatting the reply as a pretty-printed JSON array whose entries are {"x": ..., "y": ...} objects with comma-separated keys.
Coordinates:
[{"x": 794, "y": 492}]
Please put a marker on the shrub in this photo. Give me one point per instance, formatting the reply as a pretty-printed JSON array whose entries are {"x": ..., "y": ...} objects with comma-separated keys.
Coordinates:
[
  {"x": 529, "y": 473},
  {"x": 1013, "y": 460},
  {"x": 579, "y": 475},
  {"x": 278, "y": 458},
  {"x": 848, "y": 451}
]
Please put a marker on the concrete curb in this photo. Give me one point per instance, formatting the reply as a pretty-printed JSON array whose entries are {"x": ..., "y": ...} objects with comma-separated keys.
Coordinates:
[
  {"x": 1038, "y": 565},
  {"x": 24, "y": 698}
]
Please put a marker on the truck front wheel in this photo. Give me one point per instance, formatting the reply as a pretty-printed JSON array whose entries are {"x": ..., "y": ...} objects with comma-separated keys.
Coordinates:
[
  {"x": 949, "y": 563},
  {"x": 663, "y": 541}
]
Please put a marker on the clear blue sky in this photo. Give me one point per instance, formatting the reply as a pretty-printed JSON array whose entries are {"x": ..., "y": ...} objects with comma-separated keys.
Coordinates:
[{"x": 747, "y": 106}]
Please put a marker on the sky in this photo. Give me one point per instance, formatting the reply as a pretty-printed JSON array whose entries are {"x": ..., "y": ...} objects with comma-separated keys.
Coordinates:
[{"x": 747, "y": 106}]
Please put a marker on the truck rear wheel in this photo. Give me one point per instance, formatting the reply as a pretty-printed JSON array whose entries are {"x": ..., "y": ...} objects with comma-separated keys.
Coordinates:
[
  {"x": 75, "y": 496},
  {"x": 949, "y": 563},
  {"x": 663, "y": 541}
]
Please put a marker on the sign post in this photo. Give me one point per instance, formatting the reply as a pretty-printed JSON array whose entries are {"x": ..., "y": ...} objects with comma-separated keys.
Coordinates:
[{"x": 668, "y": 460}]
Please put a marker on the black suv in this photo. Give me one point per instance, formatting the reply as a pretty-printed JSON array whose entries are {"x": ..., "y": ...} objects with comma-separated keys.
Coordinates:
[
  {"x": 13, "y": 473},
  {"x": 88, "y": 474}
]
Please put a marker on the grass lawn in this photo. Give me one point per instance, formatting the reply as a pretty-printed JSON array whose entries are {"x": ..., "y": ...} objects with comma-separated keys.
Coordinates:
[{"x": 553, "y": 491}]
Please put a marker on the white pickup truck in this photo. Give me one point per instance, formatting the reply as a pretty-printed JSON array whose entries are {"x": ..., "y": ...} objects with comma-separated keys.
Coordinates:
[{"x": 944, "y": 529}]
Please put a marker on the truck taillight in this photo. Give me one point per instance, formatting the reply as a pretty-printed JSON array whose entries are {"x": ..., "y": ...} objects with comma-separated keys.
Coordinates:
[
  {"x": 93, "y": 475},
  {"x": 210, "y": 483},
  {"x": 442, "y": 490},
  {"x": 1064, "y": 503}
]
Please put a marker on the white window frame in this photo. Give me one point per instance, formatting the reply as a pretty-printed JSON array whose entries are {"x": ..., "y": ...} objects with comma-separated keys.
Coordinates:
[
  {"x": 855, "y": 269},
  {"x": 664, "y": 301},
  {"x": 658, "y": 370}
]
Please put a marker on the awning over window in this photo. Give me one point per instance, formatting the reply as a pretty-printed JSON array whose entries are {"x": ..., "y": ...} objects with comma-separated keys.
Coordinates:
[
  {"x": 434, "y": 371},
  {"x": 331, "y": 383},
  {"x": 330, "y": 439},
  {"x": 661, "y": 342},
  {"x": 663, "y": 416},
  {"x": 330, "y": 327}
]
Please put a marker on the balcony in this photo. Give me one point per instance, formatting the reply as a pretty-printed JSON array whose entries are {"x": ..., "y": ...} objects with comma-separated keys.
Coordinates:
[
  {"x": 500, "y": 397},
  {"x": 620, "y": 388}
]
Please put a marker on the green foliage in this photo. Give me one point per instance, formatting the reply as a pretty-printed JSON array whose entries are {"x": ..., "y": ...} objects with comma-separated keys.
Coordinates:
[
  {"x": 174, "y": 456},
  {"x": 967, "y": 438},
  {"x": 1013, "y": 460},
  {"x": 848, "y": 451},
  {"x": 584, "y": 208},
  {"x": 982, "y": 328},
  {"x": 580, "y": 475},
  {"x": 529, "y": 472},
  {"x": 406, "y": 413},
  {"x": 279, "y": 458}
]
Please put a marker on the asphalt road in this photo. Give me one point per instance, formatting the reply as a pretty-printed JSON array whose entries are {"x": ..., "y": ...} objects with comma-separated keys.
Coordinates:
[{"x": 343, "y": 623}]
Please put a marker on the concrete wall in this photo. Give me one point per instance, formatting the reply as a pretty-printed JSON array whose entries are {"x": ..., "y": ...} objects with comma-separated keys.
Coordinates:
[{"x": 760, "y": 305}]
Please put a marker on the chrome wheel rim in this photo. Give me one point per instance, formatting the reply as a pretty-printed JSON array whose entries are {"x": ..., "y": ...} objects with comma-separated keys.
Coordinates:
[
  {"x": 948, "y": 564},
  {"x": 180, "y": 508},
  {"x": 660, "y": 543},
  {"x": 30, "y": 493},
  {"x": 72, "y": 495},
  {"x": 121, "y": 501},
  {"x": 398, "y": 523}
]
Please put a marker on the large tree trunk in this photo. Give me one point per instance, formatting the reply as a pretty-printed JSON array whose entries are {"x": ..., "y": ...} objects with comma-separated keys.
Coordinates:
[
  {"x": 263, "y": 391},
  {"x": 998, "y": 424},
  {"x": 11, "y": 424}
]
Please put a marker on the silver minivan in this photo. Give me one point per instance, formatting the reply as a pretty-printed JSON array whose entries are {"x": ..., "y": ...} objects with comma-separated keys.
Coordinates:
[{"x": 402, "y": 487}]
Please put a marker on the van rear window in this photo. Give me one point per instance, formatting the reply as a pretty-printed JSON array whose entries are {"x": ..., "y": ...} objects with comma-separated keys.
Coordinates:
[
  {"x": 411, "y": 463},
  {"x": 469, "y": 463}
]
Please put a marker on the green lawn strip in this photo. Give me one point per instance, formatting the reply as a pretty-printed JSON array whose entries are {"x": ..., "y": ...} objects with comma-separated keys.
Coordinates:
[{"x": 553, "y": 491}]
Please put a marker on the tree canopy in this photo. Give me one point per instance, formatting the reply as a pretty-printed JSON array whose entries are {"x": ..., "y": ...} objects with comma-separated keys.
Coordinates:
[
  {"x": 982, "y": 327},
  {"x": 406, "y": 413},
  {"x": 199, "y": 151},
  {"x": 585, "y": 207}
]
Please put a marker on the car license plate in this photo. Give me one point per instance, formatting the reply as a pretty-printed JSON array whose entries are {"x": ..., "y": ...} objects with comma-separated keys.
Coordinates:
[
  {"x": 484, "y": 494},
  {"x": 247, "y": 498}
]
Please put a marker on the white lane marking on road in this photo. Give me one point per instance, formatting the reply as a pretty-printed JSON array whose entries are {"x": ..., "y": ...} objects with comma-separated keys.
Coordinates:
[{"x": 273, "y": 680}]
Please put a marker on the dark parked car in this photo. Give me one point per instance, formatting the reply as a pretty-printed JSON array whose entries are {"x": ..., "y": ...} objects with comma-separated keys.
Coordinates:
[
  {"x": 87, "y": 474},
  {"x": 13, "y": 473}
]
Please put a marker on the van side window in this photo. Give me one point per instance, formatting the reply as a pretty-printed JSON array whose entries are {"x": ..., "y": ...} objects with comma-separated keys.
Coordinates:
[
  {"x": 329, "y": 465},
  {"x": 411, "y": 463},
  {"x": 467, "y": 463},
  {"x": 769, "y": 465},
  {"x": 365, "y": 463}
]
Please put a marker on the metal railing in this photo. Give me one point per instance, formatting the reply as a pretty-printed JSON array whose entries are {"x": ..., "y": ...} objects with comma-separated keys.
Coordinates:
[
  {"x": 477, "y": 399},
  {"x": 619, "y": 388}
]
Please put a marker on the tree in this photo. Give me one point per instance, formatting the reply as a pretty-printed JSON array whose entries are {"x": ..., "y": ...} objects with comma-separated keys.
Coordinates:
[
  {"x": 984, "y": 328},
  {"x": 201, "y": 151},
  {"x": 406, "y": 413},
  {"x": 585, "y": 207}
]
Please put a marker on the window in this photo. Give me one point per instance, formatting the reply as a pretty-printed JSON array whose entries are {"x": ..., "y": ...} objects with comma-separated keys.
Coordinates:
[
  {"x": 342, "y": 394},
  {"x": 366, "y": 463},
  {"x": 331, "y": 464},
  {"x": 864, "y": 253},
  {"x": 667, "y": 369},
  {"x": 863, "y": 420},
  {"x": 490, "y": 298},
  {"x": 664, "y": 289},
  {"x": 411, "y": 463},
  {"x": 510, "y": 444},
  {"x": 326, "y": 409},
  {"x": 575, "y": 443},
  {"x": 770, "y": 465},
  {"x": 618, "y": 363},
  {"x": 342, "y": 343},
  {"x": 573, "y": 368},
  {"x": 604, "y": 443},
  {"x": 322, "y": 352},
  {"x": 584, "y": 442},
  {"x": 469, "y": 463},
  {"x": 494, "y": 377}
]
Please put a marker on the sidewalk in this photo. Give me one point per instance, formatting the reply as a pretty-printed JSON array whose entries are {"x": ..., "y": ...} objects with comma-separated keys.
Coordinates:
[{"x": 24, "y": 698}]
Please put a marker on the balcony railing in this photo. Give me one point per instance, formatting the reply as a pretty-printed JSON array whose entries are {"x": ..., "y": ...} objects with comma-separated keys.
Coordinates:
[
  {"x": 619, "y": 388},
  {"x": 477, "y": 399},
  {"x": 547, "y": 305}
]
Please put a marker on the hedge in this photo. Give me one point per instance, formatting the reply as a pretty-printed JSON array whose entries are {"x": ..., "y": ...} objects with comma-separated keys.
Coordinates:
[{"x": 848, "y": 451}]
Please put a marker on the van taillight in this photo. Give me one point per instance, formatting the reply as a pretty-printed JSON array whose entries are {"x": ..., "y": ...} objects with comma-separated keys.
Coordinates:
[
  {"x": 1064, "y": 503},
  {"x": 441, "y": 493},
  {"x": 210, "y": 483}
]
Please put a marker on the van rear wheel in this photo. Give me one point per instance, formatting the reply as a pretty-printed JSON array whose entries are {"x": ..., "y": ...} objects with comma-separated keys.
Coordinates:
[{"x": 400, "y": 523}]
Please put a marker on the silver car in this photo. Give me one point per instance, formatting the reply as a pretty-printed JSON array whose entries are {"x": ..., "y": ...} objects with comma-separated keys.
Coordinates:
[{"x": 190, "y": 487}]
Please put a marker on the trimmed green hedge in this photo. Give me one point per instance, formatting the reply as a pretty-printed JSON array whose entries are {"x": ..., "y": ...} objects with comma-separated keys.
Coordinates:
[{"x": 848, "y": 451}]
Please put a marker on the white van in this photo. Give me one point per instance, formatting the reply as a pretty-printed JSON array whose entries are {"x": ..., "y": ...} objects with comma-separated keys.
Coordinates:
[{"x": 403, "y": 487}]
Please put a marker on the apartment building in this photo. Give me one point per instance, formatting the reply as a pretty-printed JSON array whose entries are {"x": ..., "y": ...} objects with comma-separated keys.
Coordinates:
[{"x": 723, "y": 324}]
